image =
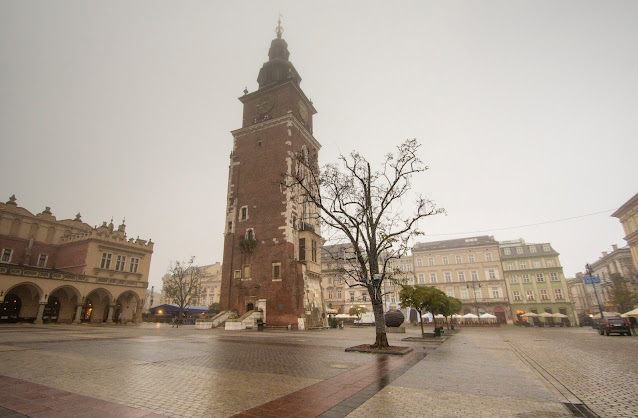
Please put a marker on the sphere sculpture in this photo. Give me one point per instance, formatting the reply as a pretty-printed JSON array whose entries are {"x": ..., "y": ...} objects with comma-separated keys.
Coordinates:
[{"x": 394, "y": 318}]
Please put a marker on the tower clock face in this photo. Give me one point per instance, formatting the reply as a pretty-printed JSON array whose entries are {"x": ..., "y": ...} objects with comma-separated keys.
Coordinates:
[
  {"x": 303, "y": 111},
  {"x": 265, "y": 104}
]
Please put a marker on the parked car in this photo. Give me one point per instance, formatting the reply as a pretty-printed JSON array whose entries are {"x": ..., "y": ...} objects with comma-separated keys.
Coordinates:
[{"x": 615, "y": 325}]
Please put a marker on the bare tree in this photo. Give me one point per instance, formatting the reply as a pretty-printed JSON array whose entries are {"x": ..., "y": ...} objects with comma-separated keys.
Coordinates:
[
  {"x": 366, "y": 209},
  {"x": 183, "y": 283}
]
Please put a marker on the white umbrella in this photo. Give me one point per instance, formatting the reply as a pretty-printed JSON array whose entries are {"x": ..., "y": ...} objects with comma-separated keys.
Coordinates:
[
  {"x": 630, "y": 313},
  {"x": 530, "y": 314},
  {"x": 439, "y": 316},
  {"x": 488, "y": 316},
  {"x": 546, "y": 315},
  {"x": 456, "y": 316},
  {"x": 470, "y": 316},
  {"x": 606, "y": 315},
  {"x": 559, "y": 315}
]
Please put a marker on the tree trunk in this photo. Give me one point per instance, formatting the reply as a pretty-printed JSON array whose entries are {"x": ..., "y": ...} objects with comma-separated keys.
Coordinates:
[
  {"x": 379, "y": 321},
  {"x": 422, "y": 330}
]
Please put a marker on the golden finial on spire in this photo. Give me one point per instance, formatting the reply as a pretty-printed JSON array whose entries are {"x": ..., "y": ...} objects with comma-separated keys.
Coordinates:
[{"x": 279, "y": 30}]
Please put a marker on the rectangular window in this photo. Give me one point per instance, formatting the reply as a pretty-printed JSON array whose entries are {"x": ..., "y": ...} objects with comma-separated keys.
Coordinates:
[
  {"x": 550, "y": 263},
  {"x": 536, "y": 264},
  {"x": 364, "y": 297},
  {"x": 461, "y": 275},
  {"x": 119, "y": 262},
  {"x": 244, "y": 213},
  {"x": 338, "y": 293},
  {"x": 432, "y": 277},
  {"x": 510, "y": 266},
  {"x": 513, "y": 279},
  {"x": 133, "y": 264},
  {"x": 519, "y": 250},
  {"x": 491, "y": 274},
  {"x": 539, "y": 277},
  {"x": 106, "y": 261},
  {"x": 488, "y": 256},
  {"x": 523, "y": 265},
  {"x": 464, "y": 294},
  {"x": 553, "y": 276},
  {"x": 474, "y": 275},
  {"x": 529, "y": 294},
  {"x": 246, "y": 271},
  {"x": 276, "y": 272},
  {"x": 449, "y": 291},
  {"x": 419, "y": 262},
  {"x": 421, "y": 278},
  {"x": 525, "y": 278},
  {"x": 517, "y": 295},
  {"x": 6, "y": 255},
  {"x": 237, "y": 274},
  {"x": 506, "y": 251},
  {"x": 532, "y": 248},
  {"x": 313, "y": 243},
  {"x": 459, "y": 259},
  {"x": 431, "y": 261},
  {"x": 470, "y": 258},
  {"x": 250, "y": 234},
  {"x": 445, "y": 261},
  {"x": 42, "y": 260},
  {"x": 408, "y": 267},
  {"x": 351, "y": 296},
  {"x": 546, "y": 247},
  {"x": 477, "y": 293},
  {"x": 543, "y": 293},
  {"x": 448, "y": 277},
  {"x": 558, "y": 293},
  {"x": 302, "y": 249},
  {"x": 230, "y": 227},
  {"x": 496, "y": 292}
]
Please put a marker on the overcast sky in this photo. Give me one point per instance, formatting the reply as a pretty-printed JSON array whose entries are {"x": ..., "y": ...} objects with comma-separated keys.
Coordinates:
[{"x": 527, "y": 110}]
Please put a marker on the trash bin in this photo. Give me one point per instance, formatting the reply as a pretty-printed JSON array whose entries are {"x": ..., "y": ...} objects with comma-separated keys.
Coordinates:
[{"x": 260, "y": 325}]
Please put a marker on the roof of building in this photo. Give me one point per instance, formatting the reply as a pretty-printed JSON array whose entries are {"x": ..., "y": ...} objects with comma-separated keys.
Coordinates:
[
  {"x": 625, "y": 206},
  {"x": 479, "y": 241},
  {"x": 540, "y": 250}
]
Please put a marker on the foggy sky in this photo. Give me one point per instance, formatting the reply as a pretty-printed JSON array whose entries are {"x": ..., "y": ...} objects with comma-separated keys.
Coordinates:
[{"x": 526, "y": 110}]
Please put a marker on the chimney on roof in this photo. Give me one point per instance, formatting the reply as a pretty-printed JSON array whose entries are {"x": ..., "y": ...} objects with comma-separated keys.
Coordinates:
[
  {"x": 615, "y": 247},
  {"x": 605, "y": 253}
]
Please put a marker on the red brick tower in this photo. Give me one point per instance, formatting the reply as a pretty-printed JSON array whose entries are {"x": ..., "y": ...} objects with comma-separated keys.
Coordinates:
[{"x": 272, "y": 241}]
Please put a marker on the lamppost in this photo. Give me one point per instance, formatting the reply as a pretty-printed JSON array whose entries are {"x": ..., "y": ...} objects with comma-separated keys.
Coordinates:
[
  {"x": 591, "y": 277},
  {"x": 475, "y": 302}
]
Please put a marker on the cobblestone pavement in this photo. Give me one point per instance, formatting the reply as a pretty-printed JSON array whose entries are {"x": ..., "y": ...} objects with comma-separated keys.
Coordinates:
[{"x": 215, "y": 373}]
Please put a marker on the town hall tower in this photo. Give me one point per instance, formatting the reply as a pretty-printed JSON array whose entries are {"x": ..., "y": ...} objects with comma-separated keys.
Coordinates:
[{"x": 272, "y": 241}]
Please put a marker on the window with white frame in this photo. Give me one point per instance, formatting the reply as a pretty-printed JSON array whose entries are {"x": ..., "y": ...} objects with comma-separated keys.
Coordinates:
[
  {"x": 393, "y": 298},
  {"x": 419, "y": 262},
  {"x": 558, "y": 293},
  {"x": 421, "y": 278},
  {"x": 532, "y": 248},
  {"x": 461, "y": 275},
  {"x": 134, "y": 263},
  {"x": 411, "y": 281},
  {"x": 432, "y": 277},
  {"x": 329, "y": 294},
  {"x": 237, "y": 274},
  {"x": 539, "y": 277},
  {"x": 513, "y": 279},
  {"x": 491, "y": 274},
  {"x": 246, "y": 271},
  {"x": 550, "y": 263},
  {"x": 106, "y": 261},
  {"x": 510, "y": 266},
  {"x": 525, "y": 278},
  {"x": 243, "y": 213},
  {"x": 477, "y": 293},
  {"x": 351, "y": 296},
  {"x": 507, "y": 251},
  {"x": 449, "y": 291},
  {"x": 553, "y": 276},
  {"x": 408, "y": 267},
  {"x": 464, "y": 294},
  {"x": 523, "y": 265},
  {"x": 470, "y": 258},
  {"x": 546, "y": 247},
  {"x": 543, "y": 294},
  {"x": 536, "y": 264},
  {"x": 488, "y": 256},
  {"x": 459, "y": 259},
  {"x": 448, "y": 276},
  {"x": 519, "y": 250},
  {"x": 517, "y": 295},
  {"x": 445, "y": 260},
  {"x": 42, "y": 260},
  {"x": 529, "y": 294},
  {"x": 6, "y": 255},
  {"x": 496, "y": 292},
  {"x": 339, "y": 293},
  {"x": 474, "y": 275},
  {"x": 431, "y": 261},
  {"x": 120, "y": 260},
  {"x": 250, "y": 234}
]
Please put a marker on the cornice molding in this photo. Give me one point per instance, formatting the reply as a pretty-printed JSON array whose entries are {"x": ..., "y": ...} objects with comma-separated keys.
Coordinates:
[{"x": 285, "y": 119}]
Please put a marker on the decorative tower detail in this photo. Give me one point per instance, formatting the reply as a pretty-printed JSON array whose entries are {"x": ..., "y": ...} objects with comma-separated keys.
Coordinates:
[{"x": 272, "y": 241}]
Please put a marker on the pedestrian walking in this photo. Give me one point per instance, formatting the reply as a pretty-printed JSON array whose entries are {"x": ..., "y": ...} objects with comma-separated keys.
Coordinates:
[
  {"x": 175, "y": 322},
  {"x": 119, "y": 318}
]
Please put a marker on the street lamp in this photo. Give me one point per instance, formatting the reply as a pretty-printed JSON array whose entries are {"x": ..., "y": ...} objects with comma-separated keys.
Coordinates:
[
  {"x": 475, "y": 302},
  {"x": 591, "y": 277}
]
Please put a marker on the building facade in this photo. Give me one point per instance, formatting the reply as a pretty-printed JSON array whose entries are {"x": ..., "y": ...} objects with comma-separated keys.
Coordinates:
[
  {"x": 627, "y": 214},
  {"x": 617, "y": 262},
  {"x": 582, "y": 297},
  {"x": 272, "y": 241},
  {"x": 211, "y": 284},
  {"x": 468, "y": 269},
  {"x": 535, "y": 280},
  {"x": 67, "y": 271}
]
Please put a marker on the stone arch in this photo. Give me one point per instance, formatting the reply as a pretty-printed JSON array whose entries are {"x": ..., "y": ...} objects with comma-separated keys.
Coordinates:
[
  {"x": 68, "y": 298},
  {"x": 126, "y": 304},
  {"x": 30, "y": 296},
  {"x": 96, "y": 304}
]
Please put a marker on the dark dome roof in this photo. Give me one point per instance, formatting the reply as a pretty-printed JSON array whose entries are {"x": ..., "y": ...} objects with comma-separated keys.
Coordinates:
[{"x": 277, "y": 68}]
